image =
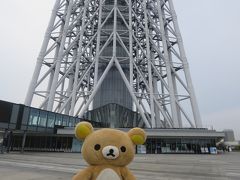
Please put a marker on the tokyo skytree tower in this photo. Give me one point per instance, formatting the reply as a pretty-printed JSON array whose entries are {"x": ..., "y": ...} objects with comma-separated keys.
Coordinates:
[{"x": 124, "y": 52}]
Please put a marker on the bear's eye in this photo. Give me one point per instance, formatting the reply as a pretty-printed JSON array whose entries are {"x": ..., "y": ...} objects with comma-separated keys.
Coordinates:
[
  {"x": 123, "y": 149},
  {"x": 97, "y": 147}
]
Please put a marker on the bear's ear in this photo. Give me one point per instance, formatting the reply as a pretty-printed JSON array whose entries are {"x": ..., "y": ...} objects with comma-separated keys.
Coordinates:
[
  {"x": 137, "y": 135},
  {"x": 83, "y": 129}
]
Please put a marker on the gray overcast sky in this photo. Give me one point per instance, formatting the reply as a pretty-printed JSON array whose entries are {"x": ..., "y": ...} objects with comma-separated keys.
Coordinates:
[{"x": 211, "y": 34}]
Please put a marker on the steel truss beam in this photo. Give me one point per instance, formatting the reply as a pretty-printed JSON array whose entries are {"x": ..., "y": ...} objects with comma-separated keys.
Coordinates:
[{"x": 66, "y": 77}]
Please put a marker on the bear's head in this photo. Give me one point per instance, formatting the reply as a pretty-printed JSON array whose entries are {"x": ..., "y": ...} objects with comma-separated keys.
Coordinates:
[{"x": 108, "y": 146}]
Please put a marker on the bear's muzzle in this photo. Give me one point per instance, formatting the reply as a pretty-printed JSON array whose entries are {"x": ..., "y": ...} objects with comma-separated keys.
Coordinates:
[{"x": 110, "y": 152}]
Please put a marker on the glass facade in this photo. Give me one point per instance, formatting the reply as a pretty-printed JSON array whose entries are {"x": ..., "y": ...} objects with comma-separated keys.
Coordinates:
[
  {"x": 116, "y": 116},
  {"x": 20, "y": 117},
  {"x": 41, "y": 120},
  {"x": 43, "y": 143},
  {"x": 51, "y": 120},
  {"x": 40, "y": 127},
  {"x": 33, "y": 118},
  {"x": 179, "y": 145}
]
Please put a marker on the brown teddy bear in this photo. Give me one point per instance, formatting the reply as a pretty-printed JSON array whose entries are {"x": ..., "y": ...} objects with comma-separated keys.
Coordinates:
[{"x": 108, "y": 152}]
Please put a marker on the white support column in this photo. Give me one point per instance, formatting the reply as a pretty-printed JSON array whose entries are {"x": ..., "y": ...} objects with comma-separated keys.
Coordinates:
[
  {"x": 73, "y": 102},
  {"x": 150, "y": 79},
  {"x": 175, "y": 88},
  {"x": 40, "y": 58},
  {"x": 179, "y": 117},
  {"x": 59, "y": 59},
  {"x": 130, "y": 44},
  {"x": 49, "y": 87},
  {"x": 156, "y": 110},
  {"x": 51, "y": 74},
  {"x": 98, "y": 43},
  {"x": 62, "y": 92},
  {"x": 70, "y": 84},
  {"x": 115, "y": 29},
  {"x": 193, "y": 99},
  {"x": 168, "y": 67}
]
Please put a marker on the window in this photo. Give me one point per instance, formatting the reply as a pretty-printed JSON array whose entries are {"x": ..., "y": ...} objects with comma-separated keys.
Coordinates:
[
  {"x": 51, "y": 119},
  {"x": 42, "y": 119},
  {"x": 33, "y": 118},
  {"x": 65, "y": 120},
  {"x": 5, "y": 111},
  {"x": 58, "y": 120},
  {"x": 77, "y": 120},
  {"x": 71, "y": 122}
]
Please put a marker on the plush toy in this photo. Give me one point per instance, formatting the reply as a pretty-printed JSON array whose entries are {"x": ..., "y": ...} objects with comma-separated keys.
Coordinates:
[{"x": 108, "y": 152}]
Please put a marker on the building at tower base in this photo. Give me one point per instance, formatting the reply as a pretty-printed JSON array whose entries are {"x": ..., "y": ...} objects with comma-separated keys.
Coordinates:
[{"x": 32, "y": 129}]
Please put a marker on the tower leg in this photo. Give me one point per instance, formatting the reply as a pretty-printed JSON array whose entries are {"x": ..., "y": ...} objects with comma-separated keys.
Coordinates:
[
  {"x": 38, "y": 66},
  {"x": 193, "y": 99}
]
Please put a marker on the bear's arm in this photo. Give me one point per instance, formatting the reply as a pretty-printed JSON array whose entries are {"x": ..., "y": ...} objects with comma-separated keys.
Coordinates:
[
  {"x": 85, "y": 174},
  {"x": 127, "y": 175}
]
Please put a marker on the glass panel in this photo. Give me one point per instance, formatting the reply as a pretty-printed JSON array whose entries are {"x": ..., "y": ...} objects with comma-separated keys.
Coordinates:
[
  {"x": 33, "y": 118},
  {"x": 58, "y": 120},
  {"x": 6, "y": 111},
  {"x": 14, "y": 116},
  {"x": 26, "y": 114},
  {"x": 77, "y": 120},
  {"x": 65, "y": 120},
  {"x": 42, "y": 119},
  {"x": 51, "y": 118},
  {"x": 71, "y": 122}
]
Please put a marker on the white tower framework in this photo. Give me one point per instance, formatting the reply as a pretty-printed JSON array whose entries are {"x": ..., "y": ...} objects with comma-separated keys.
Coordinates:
[{"x": 99, "y": 51}]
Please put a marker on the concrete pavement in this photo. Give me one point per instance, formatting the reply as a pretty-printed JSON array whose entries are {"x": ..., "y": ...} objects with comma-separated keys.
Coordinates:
[{"x": 57, "y": 166}]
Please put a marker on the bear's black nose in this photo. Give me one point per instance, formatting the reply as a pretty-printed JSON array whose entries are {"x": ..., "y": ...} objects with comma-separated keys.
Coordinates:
[{"x": 111, "y": 153}]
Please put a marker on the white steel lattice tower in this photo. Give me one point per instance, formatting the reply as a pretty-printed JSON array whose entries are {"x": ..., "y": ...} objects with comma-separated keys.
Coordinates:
[{"x": 130, "y": 53}]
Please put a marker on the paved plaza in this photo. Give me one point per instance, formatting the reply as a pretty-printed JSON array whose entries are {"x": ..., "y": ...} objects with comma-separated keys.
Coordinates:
[{"x": 57, "y": 166}]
